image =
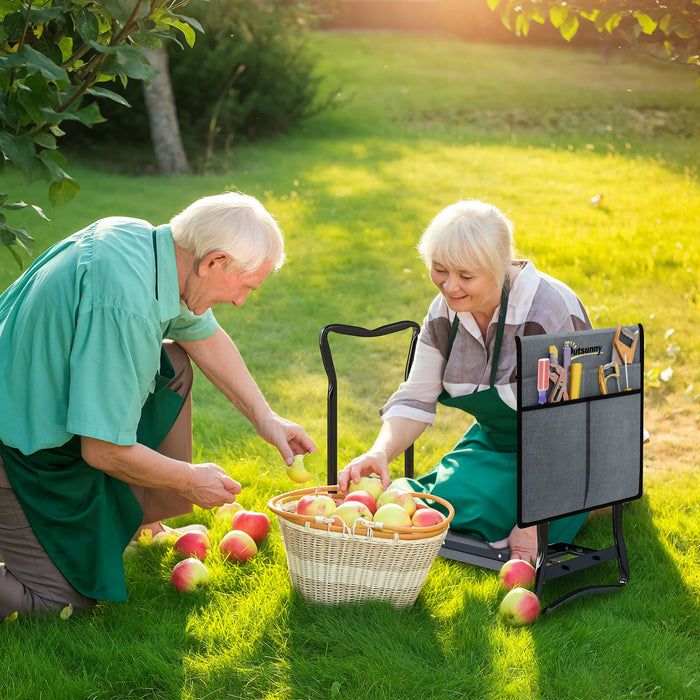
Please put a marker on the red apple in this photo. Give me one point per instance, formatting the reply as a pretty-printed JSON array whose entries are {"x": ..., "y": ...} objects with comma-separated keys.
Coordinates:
[
  {"x": 517, "y": 572},
  {"x": 257, "y": 525},
  {"x": 402, "y": 498},
  {"x": 350, "y": 511},
  {"x": 189, "y": 575},
  {"x": 193, "y": 544},
  {"x": 313, "y": 504},
  {"x": 519, "y": 607},
  {"x": 427, "y": 517},
  {"x": 393, "y": 515},
  {"x": 371, "y": 483},
  {"x": 226, "y": 511},
  {"x": 238, "y": 546},
  {"x": 363, "y": 497}
]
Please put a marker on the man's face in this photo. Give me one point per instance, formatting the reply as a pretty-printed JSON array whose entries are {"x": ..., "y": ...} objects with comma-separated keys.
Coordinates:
[{"x": 212, "y": 284}]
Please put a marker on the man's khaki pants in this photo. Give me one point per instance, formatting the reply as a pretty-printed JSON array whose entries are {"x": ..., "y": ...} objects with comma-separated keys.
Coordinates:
[{"x": 29, "y": 580}]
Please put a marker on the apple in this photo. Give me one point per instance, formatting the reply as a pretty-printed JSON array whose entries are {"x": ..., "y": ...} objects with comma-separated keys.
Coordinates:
[
  {"x": 226, "y": 511},
  {"x": 297, "y": 472},
  {"x": 257, "y": 525},
  {"x": 517, "y": 572},
  {"x": 313, "y": 504},
  {"x": 193, "y": 544},
  {"x": 372, "y": 484},
  {"x": 402, "y": 498},
  {"x": 426, "y": 517},
  {"x": 393, "y": 515},
  {"x": 350, "y": 511},
  {"x": 519, "y": 607},
  {"x": 238, "y": 546},
  {"x": 363, "y": 497},
  {"x": 189, "y": 575}
]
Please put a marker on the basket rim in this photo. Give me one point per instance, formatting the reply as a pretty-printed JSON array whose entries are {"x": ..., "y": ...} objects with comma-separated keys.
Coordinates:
[{"x": 403, "y": 533}]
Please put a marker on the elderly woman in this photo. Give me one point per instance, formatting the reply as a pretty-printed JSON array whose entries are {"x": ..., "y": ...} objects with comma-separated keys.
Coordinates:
[
  {"x": 466, "y": 358},
  {"x": 95, "y": 430}
]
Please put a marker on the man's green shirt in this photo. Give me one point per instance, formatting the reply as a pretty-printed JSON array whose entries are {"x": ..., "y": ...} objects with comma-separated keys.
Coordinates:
[{"x": 81, "y": 333}]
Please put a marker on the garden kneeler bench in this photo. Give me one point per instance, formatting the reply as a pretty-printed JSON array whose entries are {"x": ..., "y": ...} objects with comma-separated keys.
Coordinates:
[{"x": 574, "y": 456}]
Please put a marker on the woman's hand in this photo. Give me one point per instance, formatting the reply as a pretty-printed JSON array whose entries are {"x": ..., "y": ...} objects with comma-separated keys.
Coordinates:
[
  {"x": 523, "y": 543},
  {"x": 369, "y": 463}
]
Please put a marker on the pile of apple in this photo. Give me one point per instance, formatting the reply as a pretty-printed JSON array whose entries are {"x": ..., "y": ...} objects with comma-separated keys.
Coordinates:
[
  {"x": 367, "y": 500},
  {"x": 239, "y": 545},
  {"x": 520, "y": 606}
]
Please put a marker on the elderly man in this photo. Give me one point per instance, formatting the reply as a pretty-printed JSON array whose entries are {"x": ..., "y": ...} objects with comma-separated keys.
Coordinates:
[{"x": 95, "y": 379}]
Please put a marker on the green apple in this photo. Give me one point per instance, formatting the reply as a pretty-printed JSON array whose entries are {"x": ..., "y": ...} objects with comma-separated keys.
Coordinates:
[
  {"x": 297, "y": 472},
  {"x": 392, "y": 515},
  {"x": 226, "y": 511},
  {"x": 519, "y": 607},
  {"x": 372, "y": 484},
  {"x": 402, "y": 498},
  {"x": 350, "y": 511}
]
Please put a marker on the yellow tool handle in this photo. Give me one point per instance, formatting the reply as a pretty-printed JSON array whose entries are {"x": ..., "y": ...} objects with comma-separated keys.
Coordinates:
[{"x": 575, "y": 380}]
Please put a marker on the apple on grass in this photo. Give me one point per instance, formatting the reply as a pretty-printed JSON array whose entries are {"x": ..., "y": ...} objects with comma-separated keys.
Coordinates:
[
  {"x": 227, "y": 510},
  {"x": 402, "y": 498},
  {"x": 426, "y": 517},
  {"x": 371, "y": 484},
  {"x": 519, "y": 607},
  {"x": 238, "y": 546},
  {"x": 193, "y": 544},
  {"x": 189, "y": 575},
  {"x": 257, "y": 525},
  {"x": 350, "y": 511},
  {"x": 517, "y": 572},
  {"x": 392, "y": 515},
  {"x": 313, "y": 504},
  {"x": 363, "y": 497}
]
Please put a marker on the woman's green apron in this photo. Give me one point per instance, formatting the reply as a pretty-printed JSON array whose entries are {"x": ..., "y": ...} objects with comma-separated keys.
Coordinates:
[
  {"x": 82, "y": 517},
  {"x": 479, "y": 476}
]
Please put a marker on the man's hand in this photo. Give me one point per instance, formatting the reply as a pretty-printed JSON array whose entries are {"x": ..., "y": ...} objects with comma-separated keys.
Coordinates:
[
  {"x": 289, "y": 438},
  {"x": 210, "y": 486}
]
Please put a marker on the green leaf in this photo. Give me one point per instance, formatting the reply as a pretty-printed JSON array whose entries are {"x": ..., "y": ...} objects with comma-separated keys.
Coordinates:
[
  {"x": 63, "y": 191},
  {"x": 86, "y": 25},
  {"x": 493, "y": 4},
  {"x": 19, "y": 149},
  {"x": 22, "y": 205},
  {"x": 108, "y": 95},
  {"x": 34, "y": 62},
  {"x": 122, "y": 10},
  {"x": 186, "y": 30},
  {"x": 15, "y": 236},
  {"x": 647, "y": 24},
  {"x": 128, "y": 61}
]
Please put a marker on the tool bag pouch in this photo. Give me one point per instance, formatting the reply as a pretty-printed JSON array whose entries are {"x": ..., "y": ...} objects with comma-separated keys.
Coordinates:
[{"x": 579, "y": 454}]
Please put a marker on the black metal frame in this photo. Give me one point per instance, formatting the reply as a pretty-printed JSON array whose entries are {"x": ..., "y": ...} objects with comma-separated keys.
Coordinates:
[{"x": 553, "y": 561}]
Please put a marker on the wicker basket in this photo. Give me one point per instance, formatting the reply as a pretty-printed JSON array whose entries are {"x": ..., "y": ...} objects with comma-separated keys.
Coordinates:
[{"x": 330, "y": 564}]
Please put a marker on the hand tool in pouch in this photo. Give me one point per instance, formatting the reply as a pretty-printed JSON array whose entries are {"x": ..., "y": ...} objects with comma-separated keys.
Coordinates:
[{"x": 624, "y": 345}]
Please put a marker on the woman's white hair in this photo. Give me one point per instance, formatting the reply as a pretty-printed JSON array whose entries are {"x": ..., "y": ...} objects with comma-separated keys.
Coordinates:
[
  {"x": 237, "y": 224},
  {"x": 469, "y": 235}
]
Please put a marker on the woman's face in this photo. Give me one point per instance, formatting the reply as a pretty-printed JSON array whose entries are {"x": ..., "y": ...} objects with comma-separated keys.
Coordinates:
[{"x": 476, "y": 291}]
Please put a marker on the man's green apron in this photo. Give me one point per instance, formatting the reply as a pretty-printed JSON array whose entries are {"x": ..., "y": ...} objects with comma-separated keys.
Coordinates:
[
  {"x": 82, "y": 517},
  {"x": 479, "y": 476}
]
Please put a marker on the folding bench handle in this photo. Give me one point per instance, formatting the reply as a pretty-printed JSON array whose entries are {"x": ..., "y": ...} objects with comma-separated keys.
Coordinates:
[{"x": 332, "y": 411}]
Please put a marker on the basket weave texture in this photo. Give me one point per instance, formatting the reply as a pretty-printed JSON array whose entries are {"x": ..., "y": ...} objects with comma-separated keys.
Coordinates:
[{"x": 329, "y": 564}]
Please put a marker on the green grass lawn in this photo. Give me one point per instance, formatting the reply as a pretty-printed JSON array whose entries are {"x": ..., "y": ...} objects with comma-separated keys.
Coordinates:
[{"x": 421, "y": 122}]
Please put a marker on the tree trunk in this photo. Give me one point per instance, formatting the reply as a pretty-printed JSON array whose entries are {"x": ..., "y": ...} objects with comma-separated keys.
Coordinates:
[{"x": 162, "y": 116}]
